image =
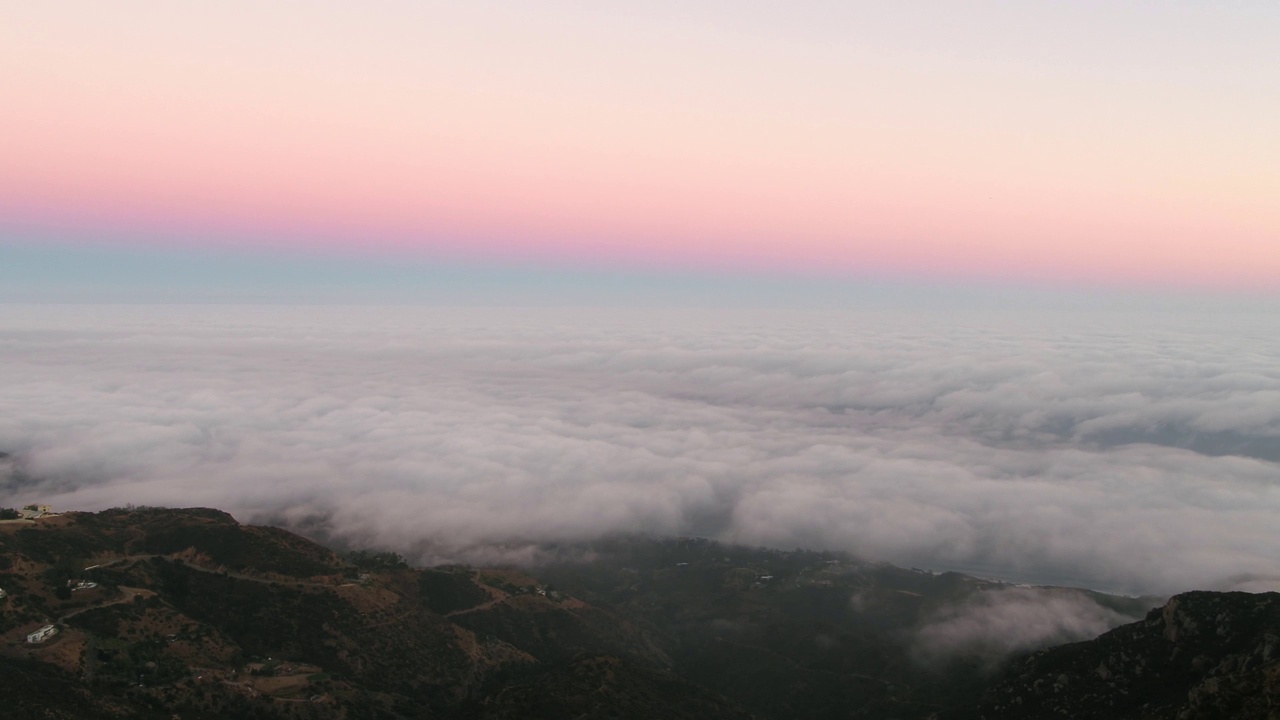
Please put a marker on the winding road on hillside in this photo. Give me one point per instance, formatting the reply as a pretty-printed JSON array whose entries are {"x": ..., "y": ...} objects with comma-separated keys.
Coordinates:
[
  {"x": 128, "y": 594},
  {"x": 225, "y": 573}
]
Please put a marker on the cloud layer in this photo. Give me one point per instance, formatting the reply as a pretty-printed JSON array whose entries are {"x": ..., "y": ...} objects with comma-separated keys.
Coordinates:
[
  {"x": 993, "y": 624},
  {"x": 1134, "y": 453}
]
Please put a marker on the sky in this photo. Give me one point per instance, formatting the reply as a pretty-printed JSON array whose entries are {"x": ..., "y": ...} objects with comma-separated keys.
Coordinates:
[
  {"x": 982, "y": 286},
  {"x": 1129, "y": 146}
]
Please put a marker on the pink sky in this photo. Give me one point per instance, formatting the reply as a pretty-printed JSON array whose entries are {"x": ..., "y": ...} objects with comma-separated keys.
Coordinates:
[{"x": 1082, "y": 143}]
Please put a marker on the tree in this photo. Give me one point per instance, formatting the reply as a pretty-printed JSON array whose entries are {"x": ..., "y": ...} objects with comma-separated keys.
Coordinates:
[{"x": 367, "y": 560}]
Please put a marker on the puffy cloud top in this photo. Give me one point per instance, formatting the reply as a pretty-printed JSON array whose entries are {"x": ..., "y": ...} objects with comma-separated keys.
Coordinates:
[{"x": 1135, "y": 453}]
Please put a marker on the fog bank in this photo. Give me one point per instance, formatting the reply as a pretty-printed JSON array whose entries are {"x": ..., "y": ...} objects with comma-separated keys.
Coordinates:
[{"x": 1136, "y": 453}]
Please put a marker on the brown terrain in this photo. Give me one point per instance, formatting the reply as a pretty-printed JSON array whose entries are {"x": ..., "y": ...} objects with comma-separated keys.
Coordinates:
[
  {"x": 165, "y": 613},
  {"x": 195, "y": 615}
]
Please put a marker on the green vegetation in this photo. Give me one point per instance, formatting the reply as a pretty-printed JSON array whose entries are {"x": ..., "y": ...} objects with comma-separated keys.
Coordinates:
[
  {"x": 505, "y": 585},
  {"x": 377, "y": 561},
  {"x": 143, "y": 663},
  {"x": 444, "y": 592},
  {"x": 241, "y": 548}
]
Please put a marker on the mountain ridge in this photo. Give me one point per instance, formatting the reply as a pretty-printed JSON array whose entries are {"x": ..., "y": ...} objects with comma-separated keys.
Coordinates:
[{"x": 191, "y": 613}]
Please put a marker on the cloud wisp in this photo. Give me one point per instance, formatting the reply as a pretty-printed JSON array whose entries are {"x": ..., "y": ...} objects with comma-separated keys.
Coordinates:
[
  {"x": 994, "y": 624},
  {"x": 1130, "y": 453}
]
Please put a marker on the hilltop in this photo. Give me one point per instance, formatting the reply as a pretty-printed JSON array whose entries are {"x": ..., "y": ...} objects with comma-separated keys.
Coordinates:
[{"x": 163, "y": 612}]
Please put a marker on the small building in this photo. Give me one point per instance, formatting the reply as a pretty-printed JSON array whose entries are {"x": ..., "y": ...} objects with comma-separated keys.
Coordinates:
[
  {"x": 81, "y": 585},
  {"x": 2, "y": 593},
  {"x": 42, "y": 634},
  {"x": 31, "y": 512}
]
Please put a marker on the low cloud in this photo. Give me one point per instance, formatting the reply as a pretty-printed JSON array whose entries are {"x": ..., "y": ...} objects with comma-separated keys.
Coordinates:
[
  {"x": 1127, "y": 453},
  {"x": 994, "y": 624}
]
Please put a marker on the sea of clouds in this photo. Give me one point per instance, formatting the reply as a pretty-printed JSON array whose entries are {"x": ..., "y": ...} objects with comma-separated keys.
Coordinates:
[{"x": 1135, "y": 452}]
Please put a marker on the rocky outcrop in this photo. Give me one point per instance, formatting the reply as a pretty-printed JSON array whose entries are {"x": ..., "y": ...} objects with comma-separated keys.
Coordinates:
[{"x": 1203, "y": 655}]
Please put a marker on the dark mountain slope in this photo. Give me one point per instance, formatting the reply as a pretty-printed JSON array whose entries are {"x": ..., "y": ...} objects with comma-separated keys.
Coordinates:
[
  {"x": 38, "y": 691},
  {"x": 599, "y": 687},
  {"x": 189, "y": 613},
  {"x": 803, "y": 633},
  {"x": 1203, "y": 655}
]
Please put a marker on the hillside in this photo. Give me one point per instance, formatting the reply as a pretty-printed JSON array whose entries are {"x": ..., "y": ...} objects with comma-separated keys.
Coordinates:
[
  {"x": 1202, "y": 656},
  {"x": 187, "y": 612}
]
